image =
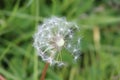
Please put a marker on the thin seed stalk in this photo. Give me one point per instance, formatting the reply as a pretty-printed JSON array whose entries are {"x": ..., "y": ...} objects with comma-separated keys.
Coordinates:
[{"x": 44, "y": 71}]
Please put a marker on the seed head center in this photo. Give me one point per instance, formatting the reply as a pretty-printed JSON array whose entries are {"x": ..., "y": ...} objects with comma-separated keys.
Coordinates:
[{"x": 60, "y": 42}]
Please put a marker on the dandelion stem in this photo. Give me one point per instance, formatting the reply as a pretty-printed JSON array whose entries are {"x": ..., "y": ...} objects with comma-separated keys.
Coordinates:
[
  {"x": 44, "y": 71},
  {"x": 2, "y": 78}
]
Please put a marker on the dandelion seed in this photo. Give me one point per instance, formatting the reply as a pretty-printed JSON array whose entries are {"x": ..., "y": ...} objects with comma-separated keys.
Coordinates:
[
  {"x": 61, "y": 64},
  {"x": 75, "y": 50},
  {"x": 75, "y": 58},
  {"x": 68, "y": 45},
  {"x": 54, "y": 35},
  {"x": 79, "y": 41},
  {"x": 71, "y": 36}
]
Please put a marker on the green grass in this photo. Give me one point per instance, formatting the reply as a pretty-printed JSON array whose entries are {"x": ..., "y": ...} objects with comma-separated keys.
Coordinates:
[{"x": 99, "y": 57}]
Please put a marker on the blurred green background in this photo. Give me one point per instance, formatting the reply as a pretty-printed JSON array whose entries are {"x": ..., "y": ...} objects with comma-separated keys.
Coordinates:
[{"x": 99, "y": 21}]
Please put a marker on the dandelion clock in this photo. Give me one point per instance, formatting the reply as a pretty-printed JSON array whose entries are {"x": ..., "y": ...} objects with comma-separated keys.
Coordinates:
[{"x": 54, "y": 35}]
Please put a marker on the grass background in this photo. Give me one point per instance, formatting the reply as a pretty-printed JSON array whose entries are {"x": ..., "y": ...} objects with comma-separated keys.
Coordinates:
[{"x": 99, "y": 21}]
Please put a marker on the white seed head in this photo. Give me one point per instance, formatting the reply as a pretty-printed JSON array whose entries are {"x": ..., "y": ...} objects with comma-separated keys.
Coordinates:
[{"x": 54, "y": 35}]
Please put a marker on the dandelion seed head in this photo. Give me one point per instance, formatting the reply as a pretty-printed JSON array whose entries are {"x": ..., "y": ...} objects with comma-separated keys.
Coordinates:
[{"x": 53, "y": 35}]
